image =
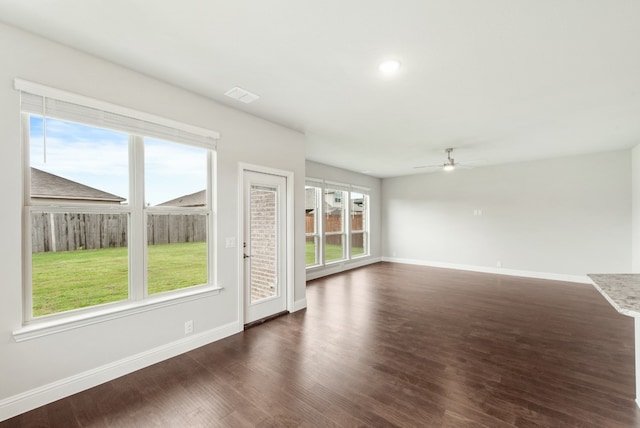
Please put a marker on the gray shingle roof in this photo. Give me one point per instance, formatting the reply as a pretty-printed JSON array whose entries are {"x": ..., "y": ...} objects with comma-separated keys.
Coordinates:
[
  {"x": 51, "y": 186},
  {"x": 197, "y": 199}
]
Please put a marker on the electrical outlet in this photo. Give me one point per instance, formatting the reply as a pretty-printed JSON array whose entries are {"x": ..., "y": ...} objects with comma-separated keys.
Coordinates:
[
  {"x": 499, "y": 263},
  {"x": 188, "y": 327}
]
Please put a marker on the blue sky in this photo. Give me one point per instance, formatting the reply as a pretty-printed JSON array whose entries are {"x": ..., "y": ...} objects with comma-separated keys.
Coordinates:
[{"x": 99, "y": 158}]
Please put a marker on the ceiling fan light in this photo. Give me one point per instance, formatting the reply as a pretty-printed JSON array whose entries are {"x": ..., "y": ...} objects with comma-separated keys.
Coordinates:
[{"x": 448, "y": 167}]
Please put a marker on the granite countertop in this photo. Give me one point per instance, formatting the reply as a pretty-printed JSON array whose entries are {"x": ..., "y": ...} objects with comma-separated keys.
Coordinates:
[{"x": 621, "y": 290}]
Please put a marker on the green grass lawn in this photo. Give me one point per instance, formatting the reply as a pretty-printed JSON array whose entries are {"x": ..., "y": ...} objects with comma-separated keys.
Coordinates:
[
  {"x": 332, "y": 252},
  {"x": 76, "y": 279}
]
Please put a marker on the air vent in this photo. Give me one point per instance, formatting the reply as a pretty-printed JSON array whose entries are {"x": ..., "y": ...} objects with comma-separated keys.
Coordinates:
[{"x": 241, "y": 95}]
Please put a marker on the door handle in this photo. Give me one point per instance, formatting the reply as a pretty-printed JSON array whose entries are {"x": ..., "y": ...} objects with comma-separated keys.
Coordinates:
[{"x": 245, "y": 256}]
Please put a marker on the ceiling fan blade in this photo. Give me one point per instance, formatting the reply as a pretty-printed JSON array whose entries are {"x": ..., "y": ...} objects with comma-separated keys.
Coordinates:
[
  {"x": 428, "y": 166},
  {"x": 470, "y": 164}
]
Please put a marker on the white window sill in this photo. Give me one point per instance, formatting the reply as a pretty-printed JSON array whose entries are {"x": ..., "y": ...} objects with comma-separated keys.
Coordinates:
[{"x": 45, "y": 327}]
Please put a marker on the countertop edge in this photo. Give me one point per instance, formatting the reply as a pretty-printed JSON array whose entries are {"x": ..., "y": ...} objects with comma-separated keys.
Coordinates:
[{"x": 626, "y": 312}]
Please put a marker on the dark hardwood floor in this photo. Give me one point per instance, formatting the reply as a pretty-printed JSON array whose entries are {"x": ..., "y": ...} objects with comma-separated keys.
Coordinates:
[{"x": 391, "y": 345}]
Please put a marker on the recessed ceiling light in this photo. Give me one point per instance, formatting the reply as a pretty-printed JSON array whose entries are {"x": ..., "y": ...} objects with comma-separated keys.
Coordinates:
[{"x": 389, "y": 67}]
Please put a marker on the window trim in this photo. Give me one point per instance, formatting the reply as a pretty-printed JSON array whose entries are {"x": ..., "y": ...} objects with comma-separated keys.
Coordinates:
[
  {"x": 110, "y": 311},
  {"x": 138, "y": 299}
]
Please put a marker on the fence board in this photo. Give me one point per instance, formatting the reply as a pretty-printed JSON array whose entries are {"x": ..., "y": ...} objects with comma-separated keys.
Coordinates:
[
  {"x": 52, "y": 232},
  {"x": 333, "y": 223}
]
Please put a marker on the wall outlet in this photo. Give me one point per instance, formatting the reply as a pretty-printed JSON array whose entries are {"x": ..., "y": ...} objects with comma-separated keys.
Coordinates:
[
  {"x": 499, "y": 263},
  {"x": 188, "y": 327}
]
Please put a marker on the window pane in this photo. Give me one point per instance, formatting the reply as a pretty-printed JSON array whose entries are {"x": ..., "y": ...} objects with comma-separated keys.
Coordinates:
[
  {"x": 358, "y": 244},
  {"x": 78, "y": 260},
  {"x": 312, "y": 250},
  {"x": 77, "y": 163},
  {"x": 311, "y": 225},
  {"x": 358, "y": 209},
  {"x": 334, "y": 249},
  {"x": 177, "y": 251},
  {"x": 175, "y": 174},
  {"x": 311, "y": 208},
  {"x": 334, "y": 211},
  {"x": 334, "y": 203}
]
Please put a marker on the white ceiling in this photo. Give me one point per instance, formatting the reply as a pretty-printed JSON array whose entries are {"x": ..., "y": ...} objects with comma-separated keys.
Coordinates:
[{"x": 499, "y": 80}]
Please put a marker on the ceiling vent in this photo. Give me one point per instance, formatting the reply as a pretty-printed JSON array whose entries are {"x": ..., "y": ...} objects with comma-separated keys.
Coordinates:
[{"x": 241, "y": 95}]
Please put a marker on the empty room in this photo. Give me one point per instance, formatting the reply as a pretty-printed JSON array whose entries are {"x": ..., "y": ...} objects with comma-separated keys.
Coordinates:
[{"x": 332, "y": 214}]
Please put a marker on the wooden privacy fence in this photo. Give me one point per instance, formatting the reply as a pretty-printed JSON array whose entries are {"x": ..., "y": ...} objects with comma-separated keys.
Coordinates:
[
  {"x": 333, "y": 223},
  {"x": 73, "y": 231}
]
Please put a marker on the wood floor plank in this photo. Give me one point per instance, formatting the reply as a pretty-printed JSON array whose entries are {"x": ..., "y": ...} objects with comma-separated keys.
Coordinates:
[{"x": 391, "y": 345}]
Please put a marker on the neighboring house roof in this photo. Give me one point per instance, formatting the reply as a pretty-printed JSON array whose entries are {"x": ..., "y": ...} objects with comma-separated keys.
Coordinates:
[
  {"x": 198, "y": 199},
  {"x": 45, "y": 185}
]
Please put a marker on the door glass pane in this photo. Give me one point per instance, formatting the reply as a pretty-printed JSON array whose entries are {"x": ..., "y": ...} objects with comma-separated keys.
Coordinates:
[{"x": 264, "y": 245}]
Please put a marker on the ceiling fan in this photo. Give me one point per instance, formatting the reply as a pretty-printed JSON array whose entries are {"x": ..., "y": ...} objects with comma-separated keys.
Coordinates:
[{"x": 449, "y": 165}]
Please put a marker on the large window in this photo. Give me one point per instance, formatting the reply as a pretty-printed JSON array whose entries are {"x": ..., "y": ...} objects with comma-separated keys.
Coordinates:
[
  {"x": 118, "y": 208},
  {"x": 343, "y": 233}
]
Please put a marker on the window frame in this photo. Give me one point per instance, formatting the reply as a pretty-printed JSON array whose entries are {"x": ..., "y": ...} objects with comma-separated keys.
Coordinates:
[
  {"x": 138, "y": 299},
  {"x": 343, "y": 233},
  {"x": 318, "y": 224},
  {"x": 207, "y": 210},
  {"x": 365, "y": 222}
]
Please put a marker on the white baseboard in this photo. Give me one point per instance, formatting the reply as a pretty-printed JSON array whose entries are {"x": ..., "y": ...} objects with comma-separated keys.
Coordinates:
[
  {"x": 299, "y": 304},
  {"x": 330, "y": 269},
  {"x": 583, "y": 279},
  {"x": 23, "y": 402}
]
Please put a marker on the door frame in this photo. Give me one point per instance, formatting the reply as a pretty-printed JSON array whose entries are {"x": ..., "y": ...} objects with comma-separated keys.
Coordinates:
[{"x": 289, "y": 235}]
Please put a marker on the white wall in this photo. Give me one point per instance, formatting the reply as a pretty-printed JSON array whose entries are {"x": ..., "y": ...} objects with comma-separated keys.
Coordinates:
[
  {"x": 326, "y": 172},
  {"x": 567, "y": 216},
  {"x": 29, "y": 369},
  {"x": 635, "y": 223}
]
